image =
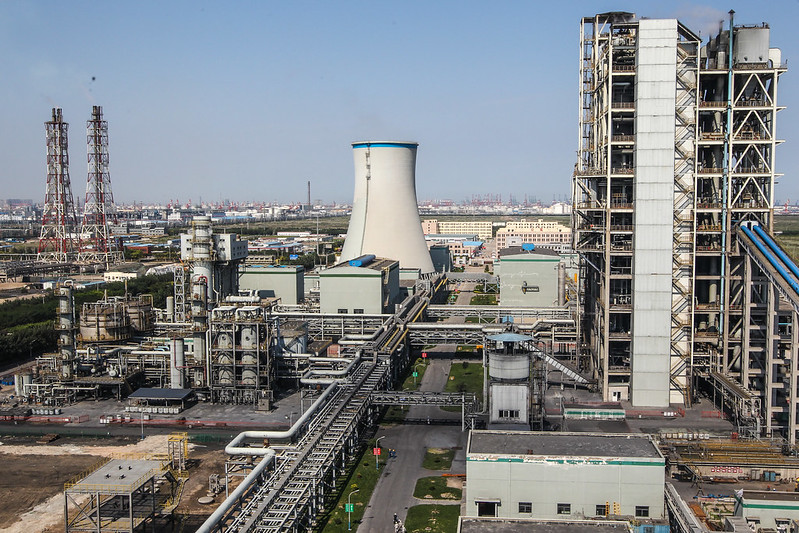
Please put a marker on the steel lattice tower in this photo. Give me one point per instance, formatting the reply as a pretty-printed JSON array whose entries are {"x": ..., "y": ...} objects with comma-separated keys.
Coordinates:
[
  {"x": 56, "y": 240},
  {"x": 97, "y": 245}
]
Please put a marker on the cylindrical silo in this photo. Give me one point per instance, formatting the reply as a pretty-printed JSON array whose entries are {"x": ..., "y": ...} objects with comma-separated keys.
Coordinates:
[
  {"x": 385, "y": 214},
  {"x": 176, "y": 376}
]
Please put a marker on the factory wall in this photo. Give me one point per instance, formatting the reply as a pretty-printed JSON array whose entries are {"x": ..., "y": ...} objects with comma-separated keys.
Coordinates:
[
  {"x": 654, "y": 200},
  {"x": 285, "y": 282},
  {"x": 583, "y": 483},
  {"x": 347, "y": 289},
  {"x": 528, "y": 280}
]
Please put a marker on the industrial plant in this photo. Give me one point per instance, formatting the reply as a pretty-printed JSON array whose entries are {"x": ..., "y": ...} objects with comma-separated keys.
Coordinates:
[{"x": 624, "y": 366}]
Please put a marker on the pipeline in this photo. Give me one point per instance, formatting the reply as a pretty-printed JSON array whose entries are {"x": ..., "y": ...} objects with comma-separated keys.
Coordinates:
[
  {"x": 233, "y": 447},
  {"x": 765, "y": 237},
  {"x": 771, "y": 259},
  {"x": 309, "y": 379},
  {"x": 209, "y": 525}
]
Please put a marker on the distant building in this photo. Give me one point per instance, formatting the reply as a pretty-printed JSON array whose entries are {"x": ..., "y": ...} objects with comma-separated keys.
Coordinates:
[
  {"x": 481, "y": 228},
  {"x": 110, "y": 277},
  {"x": 542, "y": 233}
]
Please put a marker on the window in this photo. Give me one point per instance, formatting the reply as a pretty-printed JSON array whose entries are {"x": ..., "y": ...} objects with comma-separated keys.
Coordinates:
[
  {"x": 508, "y": 413},
  {"x": 525, "y": 507},
  {"x": 642, "y": 510},
  {"x": 602, "y": 510},
  {"x": 564, "y": 508},
  {"x": 358, "y": 311},
  {"x": 342, "y": 311},
  {"x": 487, "y": 508}
]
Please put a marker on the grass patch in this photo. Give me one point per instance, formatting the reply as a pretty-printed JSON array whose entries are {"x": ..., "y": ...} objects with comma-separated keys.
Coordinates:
[
  {"x": 435, "y": 488},
  {"x": 483, "y": 299},
  {"x": 410, "y": 382},
  {"x": 432, "y": 519},
  {"x": 438, "y": 458},
  {"x": 466, "y": 378},
  {"x": 467, "y": 348},
  {"x": 364, "y": 478}
]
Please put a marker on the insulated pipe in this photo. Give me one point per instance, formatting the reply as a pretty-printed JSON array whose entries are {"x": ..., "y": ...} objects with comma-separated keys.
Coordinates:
[
  {"x": 771, "y": 259},
  {"x": 233, "y": 447},
  {"x": 210, "y": 524},
  {"x": 343, "y": 372},
  {"x": 765, "y": 237}
]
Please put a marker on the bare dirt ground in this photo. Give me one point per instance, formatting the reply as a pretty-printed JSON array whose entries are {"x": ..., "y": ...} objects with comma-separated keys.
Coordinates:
[
  {"x": 11, "y": 290},
  {"x": 32, "y": 484}
]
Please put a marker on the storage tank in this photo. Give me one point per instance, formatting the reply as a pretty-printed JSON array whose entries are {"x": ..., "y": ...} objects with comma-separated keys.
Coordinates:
[
  {"x": 104, "y": 321},
  {"x": 385, "y": 214},
  {"x": 248, "y": 339},
  {"x": 248, "y": 377},
  {"x": 508, "y": 366},
  {"x": 178, "y": 358},
  {"x": 141, "y": 313}
]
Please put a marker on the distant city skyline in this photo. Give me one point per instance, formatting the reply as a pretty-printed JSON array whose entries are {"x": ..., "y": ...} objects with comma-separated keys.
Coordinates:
[{"x": 250, "y": 101}]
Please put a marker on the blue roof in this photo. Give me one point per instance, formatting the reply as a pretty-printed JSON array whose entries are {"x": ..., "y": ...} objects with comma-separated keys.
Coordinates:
[
  {"x": 472, "y": 243},
  {"x": 509, "y": 337}
]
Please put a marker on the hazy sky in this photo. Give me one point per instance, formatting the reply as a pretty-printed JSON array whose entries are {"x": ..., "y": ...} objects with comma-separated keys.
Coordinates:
[{"x": 248, "y": 100}]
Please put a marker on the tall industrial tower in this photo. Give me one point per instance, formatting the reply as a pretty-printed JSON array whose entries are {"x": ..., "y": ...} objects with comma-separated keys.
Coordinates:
[
  {"x": 97, "y": 245},
  {"x": 676, "y": 152},
  {"x": 385, "y": 212},
  {"x": 57, "y": 237}
]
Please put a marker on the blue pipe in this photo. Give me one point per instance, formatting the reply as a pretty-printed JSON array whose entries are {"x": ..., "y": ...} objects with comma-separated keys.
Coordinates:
[
  {"x": 765, "y": 237},
  {"x": 771, "y": 259}
]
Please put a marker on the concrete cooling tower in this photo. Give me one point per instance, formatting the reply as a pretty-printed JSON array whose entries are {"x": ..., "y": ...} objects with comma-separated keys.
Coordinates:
[{"x": 385, "y": 216}]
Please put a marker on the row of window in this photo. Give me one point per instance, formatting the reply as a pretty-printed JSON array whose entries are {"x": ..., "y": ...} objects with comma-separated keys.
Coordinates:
[
  {"x": 641, "y": 511},
  {"x": 355, "y": 311}
]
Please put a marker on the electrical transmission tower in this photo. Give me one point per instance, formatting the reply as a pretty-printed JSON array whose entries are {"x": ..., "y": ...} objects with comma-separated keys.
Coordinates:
[
  {"x": 97, "y": 244},
  {"x": 57, "y": 237}
]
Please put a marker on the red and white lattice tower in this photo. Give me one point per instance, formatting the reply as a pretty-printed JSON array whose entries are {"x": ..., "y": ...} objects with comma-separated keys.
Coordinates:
[
  {"x": 97, "y": 244},
  {"x": 57, "y": 238}
]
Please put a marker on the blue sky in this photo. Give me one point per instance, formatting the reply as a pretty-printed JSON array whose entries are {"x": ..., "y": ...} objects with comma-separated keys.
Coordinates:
[{"x": 249, "y": 100}]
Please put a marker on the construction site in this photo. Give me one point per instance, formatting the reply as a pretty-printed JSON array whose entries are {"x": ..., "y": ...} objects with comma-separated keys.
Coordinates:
[{"x": 671, "y": 349}]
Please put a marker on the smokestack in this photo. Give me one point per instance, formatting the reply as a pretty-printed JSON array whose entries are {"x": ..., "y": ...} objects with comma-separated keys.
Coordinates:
[
  {"x": 385, "y": 215},
  {"x": 309, "y": 195}
]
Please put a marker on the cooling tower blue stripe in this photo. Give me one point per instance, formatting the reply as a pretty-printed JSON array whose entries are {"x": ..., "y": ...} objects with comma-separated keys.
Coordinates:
[{"x": 385, "y": 145}]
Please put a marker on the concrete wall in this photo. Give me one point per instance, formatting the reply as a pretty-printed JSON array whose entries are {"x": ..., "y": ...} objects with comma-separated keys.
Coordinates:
[{"x": 655, "y": 88}]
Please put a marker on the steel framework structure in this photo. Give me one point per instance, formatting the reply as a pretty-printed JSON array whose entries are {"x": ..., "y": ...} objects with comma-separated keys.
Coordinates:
[
  {"x": 97, "y": 245},
  {"x": 728, "y": 317},
  {"x": 57, "y": 237}
]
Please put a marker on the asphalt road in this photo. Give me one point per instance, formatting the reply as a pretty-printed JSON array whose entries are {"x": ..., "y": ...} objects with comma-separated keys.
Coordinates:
[{"x": 394, "y": 490}]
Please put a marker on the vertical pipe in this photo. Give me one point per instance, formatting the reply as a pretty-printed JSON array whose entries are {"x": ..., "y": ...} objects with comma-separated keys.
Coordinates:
[{"x": 725, "y": 181}]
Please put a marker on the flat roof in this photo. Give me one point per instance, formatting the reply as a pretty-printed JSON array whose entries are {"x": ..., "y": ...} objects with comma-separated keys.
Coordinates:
[
  {"x": 148, "y": 393},
  {"x": 533, "y": 443},
  {"x": 378, "y": 264},
  {"x": 770, "y": 495},
  {"x": 510, "y": 525},
  {"x": 518, "y": 250},
  {"x": 119, "y": 476}
]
